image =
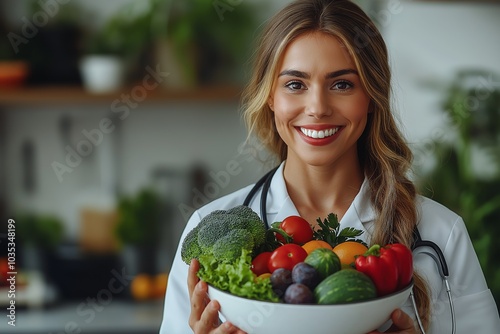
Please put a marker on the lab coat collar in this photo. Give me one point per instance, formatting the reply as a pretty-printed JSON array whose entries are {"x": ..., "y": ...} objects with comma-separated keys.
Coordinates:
[
  {"x": 279, "y": 203},
  {"x": 362, "y": 204},
  {"x": 361, "y": 214},
  {"x": 281, "y": 206}
]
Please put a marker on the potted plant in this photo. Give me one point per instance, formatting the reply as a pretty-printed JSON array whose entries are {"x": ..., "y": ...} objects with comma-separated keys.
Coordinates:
[
  {"x": 111, "y": 52},
  {"x": 210, "y": 44},
  {"x": 39, "y": 235},
  {"x": 138, "y": 229}
]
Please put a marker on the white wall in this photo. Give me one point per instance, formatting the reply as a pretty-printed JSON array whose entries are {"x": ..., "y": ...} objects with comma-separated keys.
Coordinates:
[{"x": 430, "y": 42}]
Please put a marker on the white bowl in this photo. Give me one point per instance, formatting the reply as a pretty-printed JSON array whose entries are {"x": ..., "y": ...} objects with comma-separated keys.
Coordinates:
[{"x": 257, "y": 317}]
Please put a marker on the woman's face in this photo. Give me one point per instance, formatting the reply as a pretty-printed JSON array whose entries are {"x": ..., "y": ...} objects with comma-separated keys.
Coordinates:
[{"x": 320, "y": 107}]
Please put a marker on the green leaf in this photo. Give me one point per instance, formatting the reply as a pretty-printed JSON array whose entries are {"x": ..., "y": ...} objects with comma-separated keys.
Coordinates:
[
  {"x": 333, "y": 221},
  {"x": 236, "y": 278},
  {"x": 328, "y": 230},
  {"x": 350, "y": 232}
]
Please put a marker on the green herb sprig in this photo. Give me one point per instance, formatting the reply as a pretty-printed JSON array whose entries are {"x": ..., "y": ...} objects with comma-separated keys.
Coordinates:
[{"x": 329, "y": 231}]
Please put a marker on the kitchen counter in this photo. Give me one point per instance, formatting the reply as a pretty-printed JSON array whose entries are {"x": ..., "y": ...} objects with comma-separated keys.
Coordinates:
[{"x": 119, "y": 316}]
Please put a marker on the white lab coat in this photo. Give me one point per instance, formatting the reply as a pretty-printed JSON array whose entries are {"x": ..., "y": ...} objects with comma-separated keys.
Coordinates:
[{"x": 475, "y": 308}]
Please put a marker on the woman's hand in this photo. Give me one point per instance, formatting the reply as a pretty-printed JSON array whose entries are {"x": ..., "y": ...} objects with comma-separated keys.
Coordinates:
[
  {"x": 401, "y": 324},
  {"x": 204, "y": 317}
]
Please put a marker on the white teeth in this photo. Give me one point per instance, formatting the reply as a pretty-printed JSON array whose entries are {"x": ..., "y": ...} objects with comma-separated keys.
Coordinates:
[{"x": 320, "y": 133}]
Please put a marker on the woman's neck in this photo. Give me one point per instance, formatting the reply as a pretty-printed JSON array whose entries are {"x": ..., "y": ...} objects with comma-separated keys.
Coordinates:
[{"x": 317, "y": 191}]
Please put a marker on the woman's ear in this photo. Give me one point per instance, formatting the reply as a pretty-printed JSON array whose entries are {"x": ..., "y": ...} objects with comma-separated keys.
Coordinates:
[{"x": 270, "y": 103}]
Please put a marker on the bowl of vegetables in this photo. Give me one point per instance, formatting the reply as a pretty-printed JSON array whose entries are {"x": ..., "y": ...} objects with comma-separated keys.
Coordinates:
[
  {"x": 294, "y": 278},
  {"x": 256, "y": 317}
]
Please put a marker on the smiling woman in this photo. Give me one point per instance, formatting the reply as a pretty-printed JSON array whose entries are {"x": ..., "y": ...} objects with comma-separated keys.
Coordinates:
[{"x": 319, "y": 100}]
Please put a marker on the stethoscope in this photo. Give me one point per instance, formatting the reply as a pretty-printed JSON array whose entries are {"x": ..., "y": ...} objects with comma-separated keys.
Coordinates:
[{"x": 437, "y": 255}]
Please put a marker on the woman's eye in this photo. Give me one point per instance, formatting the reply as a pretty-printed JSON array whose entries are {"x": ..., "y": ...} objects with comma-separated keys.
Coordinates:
[
  {"x": 295, "y": 85},
  {"x": 342, "y": 85}
]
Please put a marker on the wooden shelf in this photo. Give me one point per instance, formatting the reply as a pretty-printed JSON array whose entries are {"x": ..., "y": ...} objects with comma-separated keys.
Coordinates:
[{"x": 71, "y": 95}]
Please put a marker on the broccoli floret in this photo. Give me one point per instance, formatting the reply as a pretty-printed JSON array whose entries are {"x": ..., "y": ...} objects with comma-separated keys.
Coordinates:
[
  {"x": 216, "y": 212},
  {"x": 209, "y": 218},
  {"x": 229, "y": 247},
  {"x": 190, "y": 248},
  {"x": 240, "y": 228},
  {"x": 245, "y": 213},
  {"x": 215, "y": 226},
  {"x": 258, "y": 232},
  {"x": 253, "y": 223}
]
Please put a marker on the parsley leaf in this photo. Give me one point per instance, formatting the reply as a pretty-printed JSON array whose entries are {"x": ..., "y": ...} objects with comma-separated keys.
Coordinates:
[{"x": 329, "y": 230}]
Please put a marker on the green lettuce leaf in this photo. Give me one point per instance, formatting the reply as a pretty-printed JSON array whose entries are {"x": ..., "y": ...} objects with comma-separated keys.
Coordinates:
[{"x": 236, "y": 278}]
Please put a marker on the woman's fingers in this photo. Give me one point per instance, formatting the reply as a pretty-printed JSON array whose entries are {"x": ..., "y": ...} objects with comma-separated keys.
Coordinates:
[
  {"x": 199, "y": 302},
  {"x": 192, "y": 277},
  {"x": 204, "y": 317},
  {"x": 197, "y": 294},
  {"x": 228, "y": 328},
  {"x": 401, "y": 324},
  {"x": 210, "y": 318}
]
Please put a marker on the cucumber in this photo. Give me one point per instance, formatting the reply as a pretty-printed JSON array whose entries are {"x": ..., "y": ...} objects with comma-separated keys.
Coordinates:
[
  {"x": 345, "y": 286},
  {"x": 324, "y": 260}
]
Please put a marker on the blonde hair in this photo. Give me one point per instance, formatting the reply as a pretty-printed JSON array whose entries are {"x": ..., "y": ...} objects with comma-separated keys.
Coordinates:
[{"x": 383, "y": 153}]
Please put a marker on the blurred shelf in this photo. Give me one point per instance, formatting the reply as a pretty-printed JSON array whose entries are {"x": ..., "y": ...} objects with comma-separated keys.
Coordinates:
[{"x": 74, "y": 94}]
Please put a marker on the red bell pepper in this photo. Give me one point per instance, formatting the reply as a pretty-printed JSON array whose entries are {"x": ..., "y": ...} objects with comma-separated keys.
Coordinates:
[
  {"x": 405, "y": 263},
  {"x": 381, "y": 267}
]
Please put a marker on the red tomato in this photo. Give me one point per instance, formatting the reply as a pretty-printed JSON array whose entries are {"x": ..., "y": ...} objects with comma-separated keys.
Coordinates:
[
  {"x": 286, "y": 256},
  {"x": 296, "y": 227},
  {"x": 259, "y": 264}
]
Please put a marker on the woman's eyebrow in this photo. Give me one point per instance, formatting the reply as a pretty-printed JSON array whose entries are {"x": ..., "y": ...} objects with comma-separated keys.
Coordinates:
[
  {"x": 338, "y": 73},
  {"x": 304, "y": 75},
  {"x": 295, "y": 73}
]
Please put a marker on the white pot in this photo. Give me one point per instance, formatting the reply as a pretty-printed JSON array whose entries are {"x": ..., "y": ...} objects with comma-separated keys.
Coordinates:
[{"x": 102, "y": 74}]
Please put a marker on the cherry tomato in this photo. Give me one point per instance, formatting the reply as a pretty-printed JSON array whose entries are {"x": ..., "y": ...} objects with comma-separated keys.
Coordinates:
[
  {"x": 296, "y": 227},
  {"x": 259, "y": 263},
  {"x": 286, "y": 256}
]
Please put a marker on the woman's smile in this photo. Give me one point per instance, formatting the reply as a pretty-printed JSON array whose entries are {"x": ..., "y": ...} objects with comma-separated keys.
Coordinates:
[{"x": 319, "y": 136}]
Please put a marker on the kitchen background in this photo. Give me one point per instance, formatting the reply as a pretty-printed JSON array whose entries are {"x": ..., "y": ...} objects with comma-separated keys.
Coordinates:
[{"x": 101, "y": 174}]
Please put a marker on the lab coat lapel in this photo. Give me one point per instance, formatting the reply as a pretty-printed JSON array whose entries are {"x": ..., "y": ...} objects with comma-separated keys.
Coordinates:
[
  {"x": 279, "y": 204},
  {"x": 360, "y": 214}
]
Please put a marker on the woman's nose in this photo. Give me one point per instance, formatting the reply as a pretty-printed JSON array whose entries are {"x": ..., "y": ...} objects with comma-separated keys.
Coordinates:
[{"x": 317, "y": 105}]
